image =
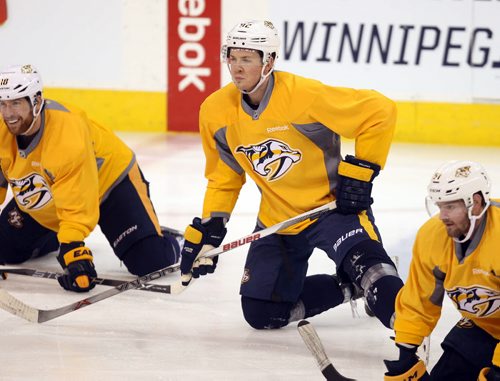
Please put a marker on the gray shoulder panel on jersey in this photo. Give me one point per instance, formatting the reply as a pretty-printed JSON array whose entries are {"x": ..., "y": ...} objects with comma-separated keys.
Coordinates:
[
  {"x": 329, "y": 142},
  {"x": 255, "y": 114},
  {"x": 53, "y": 105},
  {"x": 495, "y": 203},
  {"x": 3, "y": 180},
  {"x": 225, "y": 152},
  {"x": 438, "y": 293}
]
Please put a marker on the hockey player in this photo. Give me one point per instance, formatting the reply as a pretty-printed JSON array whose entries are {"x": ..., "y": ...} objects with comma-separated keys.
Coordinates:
[
  {"x": 67, "y": 174},
  {"x": 283, "y": 131},
  {"x": 455, "y": 252}
]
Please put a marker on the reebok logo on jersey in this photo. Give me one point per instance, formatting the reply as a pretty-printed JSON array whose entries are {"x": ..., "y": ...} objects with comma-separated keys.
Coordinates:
[
  {"x": 271, "y": 159},
  {"x": 32, "y": 191},
  {"x": 345, "y": 236},
  {"x": 476, "y": 300},
  {"x": 277, "y": 128}
]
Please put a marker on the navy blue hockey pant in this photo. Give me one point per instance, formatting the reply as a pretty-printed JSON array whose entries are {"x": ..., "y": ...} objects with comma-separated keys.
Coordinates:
[
  {"x": 466, "y": 350},
  {"x": 274, "y": 278},
  {"x": 127, "y": 219}
]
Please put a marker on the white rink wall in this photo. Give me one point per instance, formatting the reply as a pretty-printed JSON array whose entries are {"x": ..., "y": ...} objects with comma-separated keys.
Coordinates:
[
  {"x": 122, "y": 44},
  {"x": 438, "y": 59}
]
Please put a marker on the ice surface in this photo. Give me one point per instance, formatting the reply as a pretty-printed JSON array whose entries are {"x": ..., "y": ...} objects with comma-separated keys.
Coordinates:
[{"x": 201, "y": 334}]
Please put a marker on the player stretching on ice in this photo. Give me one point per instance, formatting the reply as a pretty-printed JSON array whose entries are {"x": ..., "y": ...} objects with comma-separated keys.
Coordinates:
[
  {"x": 283, "y": 131},
  {"x": 456, "y": 252},
  {"x": 67, "y": 173}
]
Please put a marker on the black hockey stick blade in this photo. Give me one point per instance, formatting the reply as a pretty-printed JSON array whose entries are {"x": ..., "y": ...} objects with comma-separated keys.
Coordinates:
[
  {"x": 161, "y": 288},
  {"x": 315, "y": 346}
]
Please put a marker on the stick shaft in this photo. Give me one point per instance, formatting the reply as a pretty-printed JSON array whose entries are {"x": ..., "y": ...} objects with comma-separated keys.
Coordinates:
[{"x": 17, "y": 307}]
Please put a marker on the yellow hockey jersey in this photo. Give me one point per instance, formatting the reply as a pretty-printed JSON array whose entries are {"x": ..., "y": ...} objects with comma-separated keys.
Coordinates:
[
  {"x": 471, "y": 280},
  {"x": 65, "y": 172},
  {"x": 289, "y": 145}
]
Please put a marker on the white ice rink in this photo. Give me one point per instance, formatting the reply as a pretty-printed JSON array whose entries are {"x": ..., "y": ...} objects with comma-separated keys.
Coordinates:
[{"x": 201, "y": 334}]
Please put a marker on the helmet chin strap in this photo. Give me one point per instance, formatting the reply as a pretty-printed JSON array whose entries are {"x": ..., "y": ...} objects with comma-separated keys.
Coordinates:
[
  {"x": 261, "y": 81},
  {"x": 472, "y": 220},
  {"x": 35, "y": 117}
]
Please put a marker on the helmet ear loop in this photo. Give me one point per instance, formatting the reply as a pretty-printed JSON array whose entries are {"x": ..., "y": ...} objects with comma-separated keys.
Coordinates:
[
  {"x": 262, "y": 78},
  {"x": 35, "y": 114},
  {"x": 473, "y": 219},
  {"x": 428, "y": 203}
]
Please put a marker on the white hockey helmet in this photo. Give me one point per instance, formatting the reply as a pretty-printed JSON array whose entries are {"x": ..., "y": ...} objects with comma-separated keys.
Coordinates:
[
  {"x": 459, "y": 180},
  {"x": 20, "y": 81},
  {"x": 258, "y": 35}
]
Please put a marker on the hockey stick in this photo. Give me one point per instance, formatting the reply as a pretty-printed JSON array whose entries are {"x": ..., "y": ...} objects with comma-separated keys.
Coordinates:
[
  {"x": 310, "y": 215},
  {"x": 164, "y": 289},
  {"x": 15, "y": 306},
  {"x": 313, "y": 343}
]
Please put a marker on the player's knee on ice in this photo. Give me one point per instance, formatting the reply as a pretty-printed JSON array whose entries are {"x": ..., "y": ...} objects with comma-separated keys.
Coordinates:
[
  {"x": 151, "y": 254},
  {"x": 368, "y": 265},
  {"x": 263, "y": 314}
]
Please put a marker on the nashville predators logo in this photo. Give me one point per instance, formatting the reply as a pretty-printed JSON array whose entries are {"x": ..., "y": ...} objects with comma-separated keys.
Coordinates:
[
  {"x": 246, "y": 276},
  {"x": 463, "y": 171},
  {"x": 31, "y": 192},
  {"x": 475, "y": 300},
  {"x": 271, "y": 159},
  {"x": 15, "y": 218}
]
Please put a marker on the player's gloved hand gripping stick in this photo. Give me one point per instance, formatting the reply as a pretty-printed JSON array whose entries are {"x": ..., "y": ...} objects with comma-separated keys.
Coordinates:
[{"x": 15, "y": 306}]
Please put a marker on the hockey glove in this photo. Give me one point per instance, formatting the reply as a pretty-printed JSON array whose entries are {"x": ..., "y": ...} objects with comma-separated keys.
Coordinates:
[
  {"x": 408, "y": 367},
  {"x": 489, "y": 374},
  {"x": 199, "y": 238},
  {"x": 354, "y": 186},
  {"x": 79, "y": 271}
]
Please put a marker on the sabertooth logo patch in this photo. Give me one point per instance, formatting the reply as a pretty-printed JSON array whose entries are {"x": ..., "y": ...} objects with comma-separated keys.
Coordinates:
[
  {"x": 475, "y": 300},
  {"x": 32, "y": 192},
  {"x": 271, "y": 159},
  {"x": 15, "y": 218},
  {"x": 463, "y": 172}
]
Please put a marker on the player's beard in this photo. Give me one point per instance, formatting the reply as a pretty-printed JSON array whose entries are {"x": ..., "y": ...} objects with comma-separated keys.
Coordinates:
[
  {"x": 457, "y": 230},
  {"x": 20, "y": 126}
]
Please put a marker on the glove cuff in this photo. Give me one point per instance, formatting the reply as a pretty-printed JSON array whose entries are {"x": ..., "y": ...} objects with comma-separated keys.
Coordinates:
[
  {"x": 416, "y": 372},
  {"x": 193, "y": 235},
  {"x": 358, "y": 169},
  {"x": 72, "y": 252}
]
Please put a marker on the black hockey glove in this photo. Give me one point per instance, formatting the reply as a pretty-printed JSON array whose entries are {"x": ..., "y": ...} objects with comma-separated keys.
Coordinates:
[
  {"x": 199, "y": 238},
  {"x": 354, "y": 186},
  {"x": 78, "y": 265},
  {"x": 409, "y": 366},
  {"x": 490, "y": 374}
]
